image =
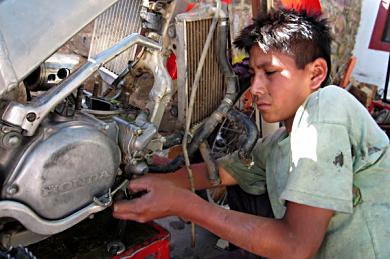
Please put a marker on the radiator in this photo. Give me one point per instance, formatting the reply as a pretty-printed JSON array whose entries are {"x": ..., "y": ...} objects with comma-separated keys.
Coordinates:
[
  {"x": 191, "y": 34},
  {"x": 116, "y": 23}
]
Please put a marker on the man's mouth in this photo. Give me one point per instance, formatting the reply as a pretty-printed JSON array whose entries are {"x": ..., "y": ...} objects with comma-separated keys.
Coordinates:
[{"x": 263, "y": 106}]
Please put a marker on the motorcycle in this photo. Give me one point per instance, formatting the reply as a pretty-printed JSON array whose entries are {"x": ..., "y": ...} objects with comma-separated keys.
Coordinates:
[{"x": 65, "y": 151}]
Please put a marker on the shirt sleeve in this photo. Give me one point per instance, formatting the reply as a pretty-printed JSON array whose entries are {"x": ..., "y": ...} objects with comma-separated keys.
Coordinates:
[
  {"x": 321, "y": 167},
  {"x": 250, "y": 178}
]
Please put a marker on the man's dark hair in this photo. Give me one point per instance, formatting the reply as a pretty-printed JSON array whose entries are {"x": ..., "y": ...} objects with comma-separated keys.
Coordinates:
[{"x": 297, "y": 34}]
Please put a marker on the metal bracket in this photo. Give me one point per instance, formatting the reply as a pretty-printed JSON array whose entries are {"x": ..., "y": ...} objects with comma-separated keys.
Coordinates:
[
  {"x": 29, "y": 116},
  {"x": 106, "y": 199}
]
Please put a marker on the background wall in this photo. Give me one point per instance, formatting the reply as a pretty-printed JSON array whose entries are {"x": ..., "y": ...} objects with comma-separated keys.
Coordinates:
[
  {"x": 344, "y": 17},
  {"x": 371, "y": 65},
  {"x": 352, "y": 22}
]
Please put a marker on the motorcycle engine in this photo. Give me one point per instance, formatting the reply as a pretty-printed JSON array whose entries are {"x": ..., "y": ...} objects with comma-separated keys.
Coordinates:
[{"x": 63, "y": 167}]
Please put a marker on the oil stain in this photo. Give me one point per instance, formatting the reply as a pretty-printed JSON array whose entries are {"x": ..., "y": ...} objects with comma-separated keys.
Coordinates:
[{"x": 339, "y": 160}]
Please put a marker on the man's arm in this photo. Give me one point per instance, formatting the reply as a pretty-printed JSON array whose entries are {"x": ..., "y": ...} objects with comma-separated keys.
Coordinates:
[
  {"x": 298, "y": 235},
  {"x": 200, "y": 175}
]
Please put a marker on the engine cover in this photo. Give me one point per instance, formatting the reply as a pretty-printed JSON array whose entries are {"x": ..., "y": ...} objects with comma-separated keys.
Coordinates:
[{"x": 63, "y": 168}]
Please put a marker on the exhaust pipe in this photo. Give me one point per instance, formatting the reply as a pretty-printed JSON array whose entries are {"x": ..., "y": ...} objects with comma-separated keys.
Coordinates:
[{"x": 51, "y": 72}]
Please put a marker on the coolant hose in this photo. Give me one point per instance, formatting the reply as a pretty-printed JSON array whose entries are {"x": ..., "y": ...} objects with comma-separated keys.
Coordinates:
[
  {"x": 169, "y": 168},
  {"x": 212, "y": 166},
  {"x": 231, "y": 81},
  {"x": 244, "y": 153}
]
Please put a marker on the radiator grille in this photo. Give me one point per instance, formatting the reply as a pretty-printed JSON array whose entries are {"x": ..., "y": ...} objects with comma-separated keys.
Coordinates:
[
  {"x": 116, "y": 23},
  {"x": 192, "y": 36}
]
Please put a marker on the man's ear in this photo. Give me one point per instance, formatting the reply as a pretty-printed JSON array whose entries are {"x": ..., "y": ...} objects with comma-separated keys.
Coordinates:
[{"x": 318, "y": 72}]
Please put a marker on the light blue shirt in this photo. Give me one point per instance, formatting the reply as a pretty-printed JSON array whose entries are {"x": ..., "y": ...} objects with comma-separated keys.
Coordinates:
[{"x": 336, "y": 158}]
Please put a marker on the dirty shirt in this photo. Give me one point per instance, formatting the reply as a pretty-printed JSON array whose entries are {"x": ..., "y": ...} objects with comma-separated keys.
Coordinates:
[{"x": 336, "y": 158}]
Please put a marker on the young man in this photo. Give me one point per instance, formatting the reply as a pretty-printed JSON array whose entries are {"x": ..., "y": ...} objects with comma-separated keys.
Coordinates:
[{"x": 326, "y": 171}]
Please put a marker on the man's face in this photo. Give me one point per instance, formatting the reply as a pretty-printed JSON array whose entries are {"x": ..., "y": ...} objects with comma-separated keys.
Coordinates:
[{"x": 278, "y": 85}]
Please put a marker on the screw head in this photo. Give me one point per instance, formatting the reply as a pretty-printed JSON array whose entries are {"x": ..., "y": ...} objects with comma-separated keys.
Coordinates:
[
  {"x": 11, "y": 140},
  {"x": 31, "y": 116},
  {"x": 12, "y": 189}
]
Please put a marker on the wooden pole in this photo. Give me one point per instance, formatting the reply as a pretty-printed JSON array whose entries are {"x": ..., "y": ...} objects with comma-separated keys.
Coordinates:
[
  {"x": 261, "y": 6},
  {"x": 255, "y": 7}
]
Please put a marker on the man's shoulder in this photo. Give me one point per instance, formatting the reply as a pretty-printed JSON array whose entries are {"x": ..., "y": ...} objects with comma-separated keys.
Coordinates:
[
  {"x": 334, "y": 95},
  {"x": 333, "y": 104}
]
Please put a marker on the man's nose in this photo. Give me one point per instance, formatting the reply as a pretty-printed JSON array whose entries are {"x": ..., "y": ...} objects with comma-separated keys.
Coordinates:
[{"x": 258, "y": 87}]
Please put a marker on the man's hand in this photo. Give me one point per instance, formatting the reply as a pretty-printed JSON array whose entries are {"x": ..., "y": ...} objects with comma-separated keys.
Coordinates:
[
  {"x": 162, "y": 198},
  {"x": 298, "y": 235}
]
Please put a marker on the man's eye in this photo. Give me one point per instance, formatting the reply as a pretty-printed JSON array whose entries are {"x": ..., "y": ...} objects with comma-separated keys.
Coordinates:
[{"x": 271, "y": 72}]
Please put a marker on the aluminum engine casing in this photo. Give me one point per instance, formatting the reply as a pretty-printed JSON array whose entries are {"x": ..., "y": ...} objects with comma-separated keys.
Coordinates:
[{"x": 64, "y": 166}]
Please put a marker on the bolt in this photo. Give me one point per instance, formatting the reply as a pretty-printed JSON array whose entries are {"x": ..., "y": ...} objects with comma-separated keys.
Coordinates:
[
  {"x": 139, "y": 132},
  {"x": 13, "y": 141},
  {"x": 13, "y": 189},
  {"x": 31, "y": 116},
  {"x": 115, "y": 248},
  {"x": 171, "y": 32}
]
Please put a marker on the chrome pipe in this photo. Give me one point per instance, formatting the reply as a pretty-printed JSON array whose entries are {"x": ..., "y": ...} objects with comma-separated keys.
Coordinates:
[
  {"x": 36, "y": 224},
  {"x": 30, "y": 220},
  {"x": 29, "y": 116},
  {"x": 162, "y": 90},
  {"x": 51, "y": 72}
]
